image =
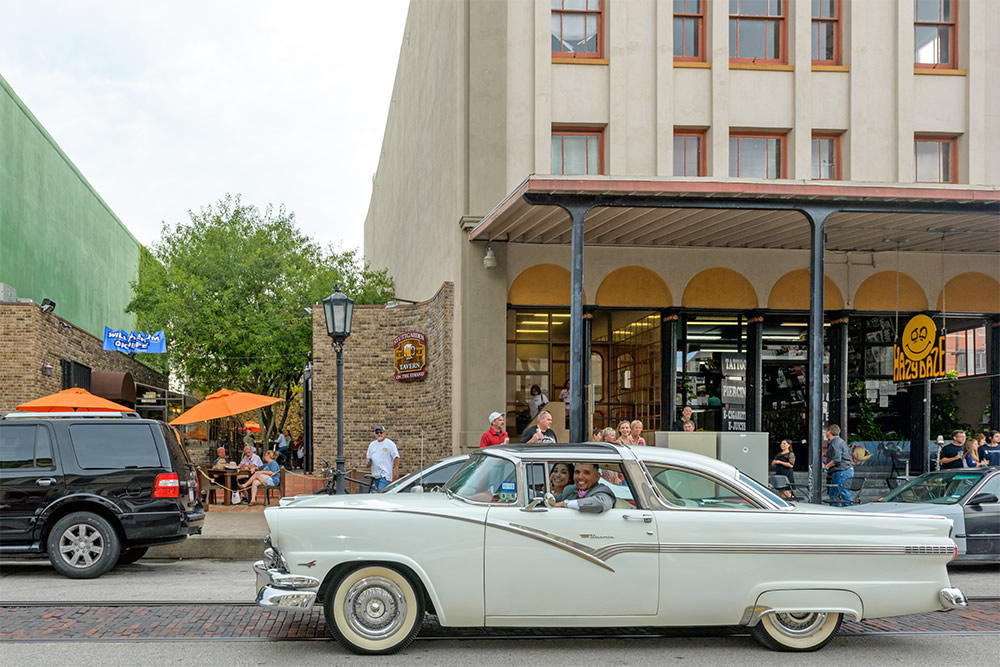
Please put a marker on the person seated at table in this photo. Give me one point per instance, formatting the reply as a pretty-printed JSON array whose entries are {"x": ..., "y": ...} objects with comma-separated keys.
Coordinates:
[
  {"x": 591, "y": 495},
  {"x": 221, "y": 458},
  {"x": 561, "y": 480},
  {"x": 249, "y": 464},
  {"x": 268, "y": 475}
]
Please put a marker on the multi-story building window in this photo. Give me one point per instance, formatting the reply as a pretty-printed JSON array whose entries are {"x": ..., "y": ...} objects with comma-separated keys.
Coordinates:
[
  {"x": 753, "y": 155},
  {"x": 689, "y": 29},
  {"x": 935, "y": 159},
  {"x": 577, "y": 28},
  {"x": 826, "y": 32},
  {"x": 689, "y": 153},
  {"x": 966, "y": 351},
  {"x": 758, "y": 31},
  {"x": 826, "y": 157},
  {"x": 934, "y": 34},
  {"x": 577, "y": 151}
]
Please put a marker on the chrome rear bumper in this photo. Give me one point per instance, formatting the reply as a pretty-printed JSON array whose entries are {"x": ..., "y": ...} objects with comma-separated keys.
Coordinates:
[
  {"x": 952, "y": 598},
  {"x": 277, "y": 589}
]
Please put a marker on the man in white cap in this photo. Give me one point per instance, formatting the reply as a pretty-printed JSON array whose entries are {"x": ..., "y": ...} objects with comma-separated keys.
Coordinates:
[
  {"x": 384, "y": 457},
  {"x": 494, "y": 434}
]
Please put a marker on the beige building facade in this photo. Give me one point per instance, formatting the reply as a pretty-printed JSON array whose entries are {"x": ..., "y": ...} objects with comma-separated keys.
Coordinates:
[{"x": 689, "y": 96}]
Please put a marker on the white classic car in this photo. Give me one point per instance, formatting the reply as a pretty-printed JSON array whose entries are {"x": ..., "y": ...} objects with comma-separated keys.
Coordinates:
[{"x": 689, "y": 541}]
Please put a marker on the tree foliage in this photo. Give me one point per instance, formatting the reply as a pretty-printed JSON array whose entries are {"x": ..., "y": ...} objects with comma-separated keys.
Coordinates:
[{"x": 230, "y": 287}]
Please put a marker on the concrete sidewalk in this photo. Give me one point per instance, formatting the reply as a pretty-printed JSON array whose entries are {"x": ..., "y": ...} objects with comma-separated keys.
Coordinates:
[{"x": 230, "y": 533}]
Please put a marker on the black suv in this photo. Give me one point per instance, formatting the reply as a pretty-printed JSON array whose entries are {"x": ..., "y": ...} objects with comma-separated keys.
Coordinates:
[{"x": 93, "y": 489}]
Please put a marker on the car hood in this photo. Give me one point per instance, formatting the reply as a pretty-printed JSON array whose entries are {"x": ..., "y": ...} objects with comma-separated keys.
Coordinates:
[
  {"x": 905, "y": 508},
  {"x": 386, "y": 501}
]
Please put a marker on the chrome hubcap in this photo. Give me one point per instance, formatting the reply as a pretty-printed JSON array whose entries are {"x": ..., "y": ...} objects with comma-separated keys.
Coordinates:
[
  {"x": 375, "y": 607},
  {"x": 799, "y": 624},
  {"x": 81, "y": 545}
]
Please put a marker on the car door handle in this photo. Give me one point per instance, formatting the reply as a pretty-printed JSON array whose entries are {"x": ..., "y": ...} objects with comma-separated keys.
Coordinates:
[
  {"x": 645, "y": 518},
  {"x": 45, "y": 481}
]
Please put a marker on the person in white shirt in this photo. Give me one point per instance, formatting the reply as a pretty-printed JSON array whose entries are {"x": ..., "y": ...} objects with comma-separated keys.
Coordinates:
[{"x": 384, "y": 458}]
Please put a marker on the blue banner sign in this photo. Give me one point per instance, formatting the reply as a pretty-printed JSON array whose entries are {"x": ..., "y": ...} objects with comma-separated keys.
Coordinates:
[{"x": 131, "y": 342}]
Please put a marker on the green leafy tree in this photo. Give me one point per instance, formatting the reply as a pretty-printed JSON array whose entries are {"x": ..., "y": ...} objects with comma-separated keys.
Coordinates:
[{"x": 229, "y": 288}]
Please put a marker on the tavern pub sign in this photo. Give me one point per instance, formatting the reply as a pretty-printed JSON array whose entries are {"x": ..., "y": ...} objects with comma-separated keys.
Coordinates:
[{"x": 410, "y": 356}]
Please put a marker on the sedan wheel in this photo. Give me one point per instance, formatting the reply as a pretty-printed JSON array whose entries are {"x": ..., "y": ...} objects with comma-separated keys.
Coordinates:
[
  {"x": 374, "y": 610},
  {"x": 796, "y": 631},
  {"x": 83, "y": 546}
]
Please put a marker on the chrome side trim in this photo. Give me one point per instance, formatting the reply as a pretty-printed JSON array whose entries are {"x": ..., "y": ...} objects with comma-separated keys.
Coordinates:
[
  {"x": 808, "y": 549},
  {"x": 557, "y": 541}
]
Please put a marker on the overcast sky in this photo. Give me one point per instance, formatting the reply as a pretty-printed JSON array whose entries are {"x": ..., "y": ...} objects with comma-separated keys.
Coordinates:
[{"x": 167, "y": 106}]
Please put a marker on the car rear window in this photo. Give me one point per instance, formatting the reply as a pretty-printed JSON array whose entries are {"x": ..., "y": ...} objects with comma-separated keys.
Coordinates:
[{"x": 100, "y": 446}]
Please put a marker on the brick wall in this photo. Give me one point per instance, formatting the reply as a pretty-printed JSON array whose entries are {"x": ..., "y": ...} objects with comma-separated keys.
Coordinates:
[
  {"x": 372, "y": 396},
  {"x": 30, "y": 338}
]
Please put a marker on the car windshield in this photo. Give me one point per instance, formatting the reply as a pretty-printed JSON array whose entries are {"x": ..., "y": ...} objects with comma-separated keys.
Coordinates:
[
  {"x": 936, "y": 488},
  {"x": 763, "y": 490},
  {"x": 485, "y": 479},
  {"x": 399, "y": 482}
]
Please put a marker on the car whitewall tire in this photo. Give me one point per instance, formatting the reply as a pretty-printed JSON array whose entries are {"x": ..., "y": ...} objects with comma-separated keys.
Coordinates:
[
  {"x": 796, "y": 631},
  {"x": 374, "y": 610}
]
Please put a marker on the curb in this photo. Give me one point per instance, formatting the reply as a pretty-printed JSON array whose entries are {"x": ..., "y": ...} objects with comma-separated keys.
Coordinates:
[{"x": 229, "y": 547}]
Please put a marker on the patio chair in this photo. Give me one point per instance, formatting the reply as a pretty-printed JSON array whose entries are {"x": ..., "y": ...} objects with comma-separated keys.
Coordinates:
[{"x": 280, "y": 489}]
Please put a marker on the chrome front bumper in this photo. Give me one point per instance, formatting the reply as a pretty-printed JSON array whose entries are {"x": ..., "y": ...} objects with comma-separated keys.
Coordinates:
[
  {"x": 952, "y": 598},
  {"x": 277, "y": 589}
]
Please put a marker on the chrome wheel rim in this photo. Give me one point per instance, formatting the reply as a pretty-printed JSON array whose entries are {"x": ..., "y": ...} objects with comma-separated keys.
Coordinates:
[
  {"x": 375, "y": 607},
  {"x": 799, "y": 624},
  {"x": 81, "y": 545}
]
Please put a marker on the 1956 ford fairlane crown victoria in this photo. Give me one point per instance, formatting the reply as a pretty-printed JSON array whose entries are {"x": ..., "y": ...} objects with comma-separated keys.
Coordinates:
[{"x": 689, "y": 541}]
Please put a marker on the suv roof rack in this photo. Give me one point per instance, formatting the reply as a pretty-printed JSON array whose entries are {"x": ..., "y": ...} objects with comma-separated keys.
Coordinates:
[{"x": 73, "y": 415}]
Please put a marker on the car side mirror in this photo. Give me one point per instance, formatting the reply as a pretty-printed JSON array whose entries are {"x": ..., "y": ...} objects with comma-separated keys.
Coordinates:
[
  {"x": 416, "y": 488},
  {"x": 983, "y": 499}
]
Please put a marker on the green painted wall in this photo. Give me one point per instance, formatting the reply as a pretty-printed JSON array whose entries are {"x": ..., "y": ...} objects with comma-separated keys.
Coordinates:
[{"x": 58, "y": 238}]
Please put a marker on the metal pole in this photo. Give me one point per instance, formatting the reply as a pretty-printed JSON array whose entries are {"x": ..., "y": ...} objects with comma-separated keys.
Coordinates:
[
  {"x": 838, "y": 371},
  {"x": 339, "y": 347},
  {"x": 307, "y": 419},
  {"x": 578, "y": 417},
  {"x": 668, "y": 368},
  {"x": 817, "y": 217},
  {"x": 755, "y": 376}
]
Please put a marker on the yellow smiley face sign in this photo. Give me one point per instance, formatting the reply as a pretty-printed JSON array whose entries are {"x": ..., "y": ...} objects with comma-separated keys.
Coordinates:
[
  {"x": 919, "y": 352},
  {"x": 919, "y": 337}
]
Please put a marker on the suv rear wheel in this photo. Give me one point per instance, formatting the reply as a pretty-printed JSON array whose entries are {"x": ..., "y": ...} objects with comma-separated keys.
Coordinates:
[{"x": 83, "y": 545}]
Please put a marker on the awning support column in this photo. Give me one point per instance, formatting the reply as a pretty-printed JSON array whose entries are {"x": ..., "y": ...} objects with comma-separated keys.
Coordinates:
[
  {"x": 817, "y": 217},
  {"x": 755, "y": 375},
  {"x": 668, "y": 368},
  {"x": 993, "y": 366},
  {"x": 838, "y": 370}
]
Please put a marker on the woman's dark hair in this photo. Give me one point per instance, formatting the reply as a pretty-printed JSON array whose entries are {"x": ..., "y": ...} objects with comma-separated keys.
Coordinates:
[
  {"x": 569, "y": 467},
  {"x": 535, "y": 389}
]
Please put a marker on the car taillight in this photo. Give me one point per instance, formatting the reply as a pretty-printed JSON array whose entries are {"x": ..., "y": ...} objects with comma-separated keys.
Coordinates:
[
  {"x": 167, "y": 486},
  {"x": 954, "y": 555}
]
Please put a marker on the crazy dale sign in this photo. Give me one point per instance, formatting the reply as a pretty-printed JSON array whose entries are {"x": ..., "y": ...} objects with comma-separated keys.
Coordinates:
[
  {"x": 409, "y": 351},
  {"x": 919, "y": 352}
]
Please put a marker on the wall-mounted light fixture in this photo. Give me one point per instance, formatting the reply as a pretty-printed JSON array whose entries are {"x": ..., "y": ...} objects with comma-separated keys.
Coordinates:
[
  {"x": 48, "y": 305},
  {"x": 47, "y": 370},
  {"x": 395, "y": 301},
  {"x": 490, "y": 259}
]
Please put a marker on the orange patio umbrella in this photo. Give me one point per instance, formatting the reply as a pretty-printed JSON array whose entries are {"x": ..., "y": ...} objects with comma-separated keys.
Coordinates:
[
  {"x": 74, "y": 399},
  {"x": 251, "y": 426},
  {"x": 224, "y": 403}
]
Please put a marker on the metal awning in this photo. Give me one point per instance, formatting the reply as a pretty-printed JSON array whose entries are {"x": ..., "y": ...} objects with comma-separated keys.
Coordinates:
[
  {"x": 800, "y": 215},
  {"x": 750, "y": 214}
]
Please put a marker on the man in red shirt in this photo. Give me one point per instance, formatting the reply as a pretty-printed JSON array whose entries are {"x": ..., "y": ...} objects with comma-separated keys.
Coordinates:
[{"x": 494, "y": 434}]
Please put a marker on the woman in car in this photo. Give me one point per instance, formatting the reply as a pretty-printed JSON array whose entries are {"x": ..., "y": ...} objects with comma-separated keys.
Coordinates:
[{"x": 561, "y": 480}]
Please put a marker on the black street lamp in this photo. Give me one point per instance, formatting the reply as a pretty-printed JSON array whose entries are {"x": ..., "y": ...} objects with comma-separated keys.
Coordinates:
[{"x": 338, "y": 309}]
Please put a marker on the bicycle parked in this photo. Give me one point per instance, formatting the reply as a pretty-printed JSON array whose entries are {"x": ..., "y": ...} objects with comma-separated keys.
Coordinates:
[{"x": 330, "y": 481}]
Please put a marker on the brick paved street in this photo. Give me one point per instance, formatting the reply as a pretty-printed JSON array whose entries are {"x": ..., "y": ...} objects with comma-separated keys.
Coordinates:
[{"x": 228, "y": 622}]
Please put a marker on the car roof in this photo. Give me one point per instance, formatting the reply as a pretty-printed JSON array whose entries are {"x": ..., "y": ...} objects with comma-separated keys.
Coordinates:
[{"x": 603, "y": 450}]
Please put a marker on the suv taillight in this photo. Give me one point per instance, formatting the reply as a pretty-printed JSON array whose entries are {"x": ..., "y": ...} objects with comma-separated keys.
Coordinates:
[{"x": 167, "y": 486}]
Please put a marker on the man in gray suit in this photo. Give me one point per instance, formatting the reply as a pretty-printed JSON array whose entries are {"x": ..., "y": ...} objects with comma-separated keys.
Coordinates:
[{"x": 591, "y": 495}]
